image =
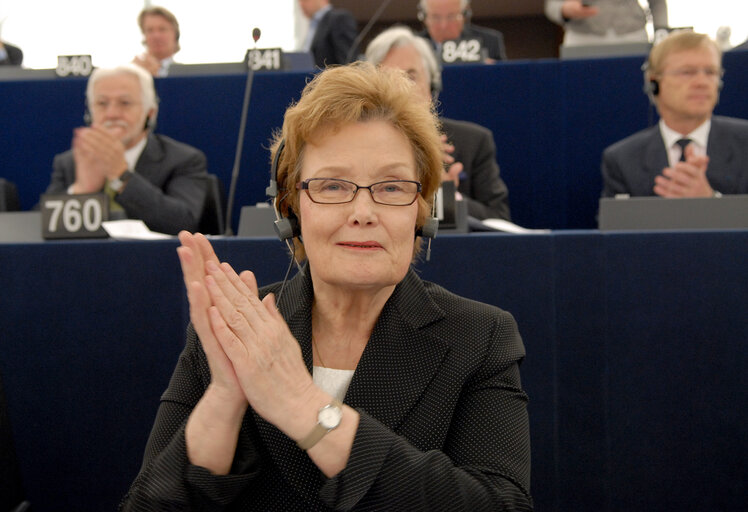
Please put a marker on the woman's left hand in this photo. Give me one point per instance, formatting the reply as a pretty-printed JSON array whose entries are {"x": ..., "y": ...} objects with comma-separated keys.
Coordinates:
[{"x": 265, "y": 355}]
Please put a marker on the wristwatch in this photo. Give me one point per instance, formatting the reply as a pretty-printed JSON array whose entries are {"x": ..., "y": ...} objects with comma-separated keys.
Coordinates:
[
  {"x": 328, "y": 418},
  {"x": 117, "y": 184}
]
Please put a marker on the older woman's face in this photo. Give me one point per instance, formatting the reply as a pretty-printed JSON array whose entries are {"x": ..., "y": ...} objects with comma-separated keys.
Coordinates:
[{"x": 360, "y": 244}]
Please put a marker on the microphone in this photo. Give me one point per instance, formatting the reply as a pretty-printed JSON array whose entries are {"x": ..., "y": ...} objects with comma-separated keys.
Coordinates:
[
  {"x": 240, "y": 140},
  {"x": 366, "y": 29}
]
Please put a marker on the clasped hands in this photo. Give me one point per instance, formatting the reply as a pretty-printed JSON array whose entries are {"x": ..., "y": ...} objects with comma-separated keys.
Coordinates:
[
  {"x": 253, "y": 357},
  {"x": 453, "y": 168},
  {"x": 685, "y": 179},
  {"x": 99, "y": 156},
  {"x": 149, "y": 62}
]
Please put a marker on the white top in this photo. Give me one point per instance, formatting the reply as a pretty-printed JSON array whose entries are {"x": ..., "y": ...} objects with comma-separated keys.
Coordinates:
[{"x": 332, "y": 381}]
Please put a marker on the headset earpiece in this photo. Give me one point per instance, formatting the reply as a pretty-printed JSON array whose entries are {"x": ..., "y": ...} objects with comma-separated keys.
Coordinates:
[
  {"x": 285, "y": 227},
  {"x": 429, "y": 228},
  {"x": 654, "y": 87},
  {"x": 651, "y": 86},
  {"x": 87, "y": 120}
]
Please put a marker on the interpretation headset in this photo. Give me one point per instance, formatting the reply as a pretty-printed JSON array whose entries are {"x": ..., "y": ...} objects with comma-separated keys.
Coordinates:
[
  {"x": 285, "y": 227},
  {"x": 288, "y": 227}
]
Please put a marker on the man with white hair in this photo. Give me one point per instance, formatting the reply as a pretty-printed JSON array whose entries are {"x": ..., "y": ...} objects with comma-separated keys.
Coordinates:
[
  {"x": 470, "y": 153},
  {"x": 448, "y": 20},
  {"x": 150, "y": 177}
]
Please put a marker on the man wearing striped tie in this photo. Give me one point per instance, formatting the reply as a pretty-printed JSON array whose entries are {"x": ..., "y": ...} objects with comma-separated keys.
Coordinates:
[{"x": 690, "y": 152}]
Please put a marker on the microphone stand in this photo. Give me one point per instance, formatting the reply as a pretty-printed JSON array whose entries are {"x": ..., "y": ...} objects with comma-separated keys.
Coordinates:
[
  {"x": 240, "y": 141},
  {"x": 365, "y": 30}
]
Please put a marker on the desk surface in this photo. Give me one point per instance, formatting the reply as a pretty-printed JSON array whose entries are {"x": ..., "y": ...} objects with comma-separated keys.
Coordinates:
[{"x": 635, "y": 364}]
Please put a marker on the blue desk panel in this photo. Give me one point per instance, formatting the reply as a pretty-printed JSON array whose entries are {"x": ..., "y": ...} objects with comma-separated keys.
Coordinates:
[{"x": 635, "y": 362}]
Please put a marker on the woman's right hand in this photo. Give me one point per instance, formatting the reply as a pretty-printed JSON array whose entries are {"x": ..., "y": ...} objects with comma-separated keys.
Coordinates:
[{"x": 194, "y": 253}]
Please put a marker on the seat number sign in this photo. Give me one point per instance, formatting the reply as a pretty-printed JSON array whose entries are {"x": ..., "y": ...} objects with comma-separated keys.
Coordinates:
[
  {"x": 466, "y": 51},
  {"x": 268, "y": 58},
  {"x": 74, "y": 216}
]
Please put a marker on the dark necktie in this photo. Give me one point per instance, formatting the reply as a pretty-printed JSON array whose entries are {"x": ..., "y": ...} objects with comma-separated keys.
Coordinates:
[{"x": 683, "y": 143}]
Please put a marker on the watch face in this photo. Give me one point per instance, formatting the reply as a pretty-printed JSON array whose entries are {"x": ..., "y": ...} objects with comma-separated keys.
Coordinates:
[{"x": 329, "y": 417}]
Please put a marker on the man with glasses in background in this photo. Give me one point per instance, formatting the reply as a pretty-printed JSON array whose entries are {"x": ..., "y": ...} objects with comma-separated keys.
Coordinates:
[
  {"x": 449, "y": 20},
  {"x": 147, "y": 176},
  {"x": 690, "y": 153}
]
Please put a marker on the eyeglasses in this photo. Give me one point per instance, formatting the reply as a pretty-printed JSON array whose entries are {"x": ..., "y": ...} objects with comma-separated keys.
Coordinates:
[
  {"x": 120, "y": 104},
  {"x": 444, "y": 18},
  {"x": 689, "y": 73},
  {"x": 336, "y": 191}
]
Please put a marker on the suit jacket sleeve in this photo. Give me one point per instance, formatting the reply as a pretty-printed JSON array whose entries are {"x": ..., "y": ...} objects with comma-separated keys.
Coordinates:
[
  {"x": 63, "y": 173},
  {"x": 482, "y": 188},
  {"x": 659, "y": 13},
  {"x": 167, "y": 193},
  {"x": 167, "y": 479},
  {"x": 489, "y": 197},
  {"x": 613, "y": 176}
]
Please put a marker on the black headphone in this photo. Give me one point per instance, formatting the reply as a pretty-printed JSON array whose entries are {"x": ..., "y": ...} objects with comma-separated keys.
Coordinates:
[
  {"x": 651, "y": 86},
  {"x": 288, "y": 227},
  {"x": 285, "y": 227}
]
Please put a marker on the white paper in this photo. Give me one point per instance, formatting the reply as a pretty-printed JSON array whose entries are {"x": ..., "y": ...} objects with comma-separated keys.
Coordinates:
[
  {"x": 131, "y": 229},
  {"x": 509, "y": 227}
]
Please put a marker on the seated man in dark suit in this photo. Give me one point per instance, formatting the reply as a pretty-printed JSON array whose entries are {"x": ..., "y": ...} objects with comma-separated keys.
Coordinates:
[
  {"x": 10, "y": 55},
  {"x": 331, "y": 32},
  {"x": 470, "y": 153},
  {"x": 690, "y": 153},
  {"x": 151, "y": 177},
  {"x": 448, "y": 20}
]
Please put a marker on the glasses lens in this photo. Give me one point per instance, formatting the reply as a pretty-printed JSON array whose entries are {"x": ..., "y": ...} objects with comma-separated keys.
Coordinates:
[
  {"x": 323, "y": 190},
  {"x": 395, "y": 192}
]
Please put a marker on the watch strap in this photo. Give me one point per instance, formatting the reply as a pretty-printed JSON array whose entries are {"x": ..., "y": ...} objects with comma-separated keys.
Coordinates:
[
  {"x": 318, "y": 432},
  {"x": 118, "y": 183}
]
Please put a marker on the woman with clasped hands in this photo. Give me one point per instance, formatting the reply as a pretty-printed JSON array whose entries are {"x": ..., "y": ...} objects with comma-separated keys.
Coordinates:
[{"x": 363, "y": 387}]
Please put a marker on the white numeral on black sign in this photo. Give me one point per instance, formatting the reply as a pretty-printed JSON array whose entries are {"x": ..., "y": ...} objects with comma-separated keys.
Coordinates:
[
  {"x": 464, "y": 51},
  {"x": 74, "y": 215}
]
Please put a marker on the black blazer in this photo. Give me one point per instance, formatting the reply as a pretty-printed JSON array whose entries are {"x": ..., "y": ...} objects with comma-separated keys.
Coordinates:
[
  {"x": 334, "y": 37},
  {"x": 167, "y": 191},
  {"x": 480, "y": 183},
  {"x": 443, "y": 419},
  {"x": 631, "y": 165}
]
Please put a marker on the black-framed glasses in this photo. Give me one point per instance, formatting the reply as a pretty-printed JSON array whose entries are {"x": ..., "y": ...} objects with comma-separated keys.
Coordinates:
[{"x": 337, "y": 191}]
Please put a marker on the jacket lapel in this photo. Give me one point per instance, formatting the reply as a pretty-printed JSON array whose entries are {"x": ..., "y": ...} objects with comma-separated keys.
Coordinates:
[
  {"x": 400, "y": 359},
  {"x": 719, "y": 149},
  {"x": 397, "y": 364},
  {"x": 654, "y": 157},
  {"x": 149, "y": 163}
]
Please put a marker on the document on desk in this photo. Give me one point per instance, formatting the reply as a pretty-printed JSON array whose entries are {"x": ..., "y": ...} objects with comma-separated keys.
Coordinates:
[
  {"x": 131, "y": 229},
  {"x": 510, "y": 227}
]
